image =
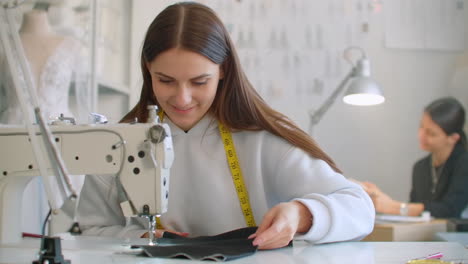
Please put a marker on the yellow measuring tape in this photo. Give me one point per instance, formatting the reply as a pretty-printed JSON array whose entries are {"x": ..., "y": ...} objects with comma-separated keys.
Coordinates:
[
  {"x": 159, "y": 225},
  {"x": 236, "y": 174}
]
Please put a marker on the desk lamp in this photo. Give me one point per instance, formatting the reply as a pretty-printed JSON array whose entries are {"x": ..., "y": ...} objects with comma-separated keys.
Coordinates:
[{"x": 362, "y": 90}]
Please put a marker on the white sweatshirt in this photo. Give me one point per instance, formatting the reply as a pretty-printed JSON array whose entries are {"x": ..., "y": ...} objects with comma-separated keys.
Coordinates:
[{"x": 203, "y": 200}]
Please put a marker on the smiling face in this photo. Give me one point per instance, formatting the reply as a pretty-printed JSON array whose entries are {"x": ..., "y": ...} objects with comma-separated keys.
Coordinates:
[
  {"x": 185, "y": 84},
  {"x": 431, "y": 136}
]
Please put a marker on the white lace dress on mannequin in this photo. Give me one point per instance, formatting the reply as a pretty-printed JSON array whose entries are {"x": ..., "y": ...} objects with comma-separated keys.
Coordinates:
[{"x": 64, "y": 68}]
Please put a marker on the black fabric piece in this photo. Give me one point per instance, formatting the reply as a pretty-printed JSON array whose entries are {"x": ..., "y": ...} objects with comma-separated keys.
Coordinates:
[
  {"x": 241, "y": 233},
  {"x": 214, "y": 250},
  {"x": 223, "y": 247}
]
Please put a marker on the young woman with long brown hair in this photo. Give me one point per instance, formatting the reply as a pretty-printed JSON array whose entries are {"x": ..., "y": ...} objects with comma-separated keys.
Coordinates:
[{"x": 192, "y": 73}]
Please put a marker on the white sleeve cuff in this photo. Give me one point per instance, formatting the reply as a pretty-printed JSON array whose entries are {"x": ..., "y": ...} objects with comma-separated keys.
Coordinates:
[{"x": 321, "y": 221}]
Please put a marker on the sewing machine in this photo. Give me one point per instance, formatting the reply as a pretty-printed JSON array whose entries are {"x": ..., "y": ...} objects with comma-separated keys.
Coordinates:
[{"x": 139, "y": 154}]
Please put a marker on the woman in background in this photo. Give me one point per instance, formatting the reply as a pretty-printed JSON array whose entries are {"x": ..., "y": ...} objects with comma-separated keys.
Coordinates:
[{"x": 440, "y": 180}]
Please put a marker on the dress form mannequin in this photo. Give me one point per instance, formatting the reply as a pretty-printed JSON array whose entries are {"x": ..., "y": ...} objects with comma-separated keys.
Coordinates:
[
  {"x": 55, "y": 63},
  {"x": 38, "y": 39},
  {"x": 62, "y": 17}
]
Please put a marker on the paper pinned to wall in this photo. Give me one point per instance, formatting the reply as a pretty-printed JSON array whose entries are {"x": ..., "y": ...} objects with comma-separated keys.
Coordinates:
[
  {"x": 300, "y": 42},
  {"x": 425, "y": 24}
]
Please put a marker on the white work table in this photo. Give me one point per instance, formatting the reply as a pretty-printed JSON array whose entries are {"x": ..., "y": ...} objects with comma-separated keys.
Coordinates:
[
  {"x": 460, "y": 237},
  {"x": 104, "y": 250}
]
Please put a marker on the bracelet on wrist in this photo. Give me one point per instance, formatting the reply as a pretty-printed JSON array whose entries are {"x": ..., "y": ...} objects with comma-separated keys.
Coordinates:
[{"x": 403, "y": 209}]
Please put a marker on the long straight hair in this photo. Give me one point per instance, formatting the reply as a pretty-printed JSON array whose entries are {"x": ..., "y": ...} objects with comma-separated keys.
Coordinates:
[{"x": 195, "y": 27}]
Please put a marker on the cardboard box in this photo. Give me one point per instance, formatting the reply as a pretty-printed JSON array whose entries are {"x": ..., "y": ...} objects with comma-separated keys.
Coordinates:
[{"x": 422, "y": 231}]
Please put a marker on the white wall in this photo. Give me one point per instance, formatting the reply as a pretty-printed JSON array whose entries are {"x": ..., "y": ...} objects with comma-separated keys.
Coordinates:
[
  {"x": 380, "y": 143},
  {"x": 376, "y": 143}
]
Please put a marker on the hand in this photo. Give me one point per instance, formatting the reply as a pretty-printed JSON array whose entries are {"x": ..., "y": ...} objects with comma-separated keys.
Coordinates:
[
  {"x": 370, "y": 188},
  {"x": 281, "y": 223},
  {"x": 158, "y": 233},
  {"x": 382, "y": 202}
]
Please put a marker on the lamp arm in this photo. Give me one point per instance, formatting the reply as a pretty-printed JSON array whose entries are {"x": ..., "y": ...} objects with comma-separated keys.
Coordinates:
[{"x": 316, "y": 116}]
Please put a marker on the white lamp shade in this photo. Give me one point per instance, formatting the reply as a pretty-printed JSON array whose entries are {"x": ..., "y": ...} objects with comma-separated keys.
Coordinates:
[{"x": 363, "y": 90}]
